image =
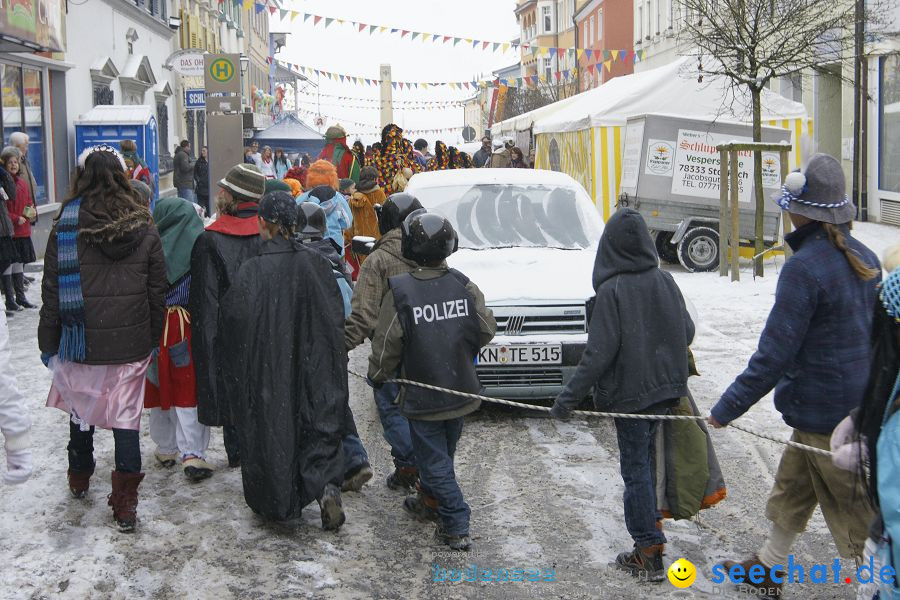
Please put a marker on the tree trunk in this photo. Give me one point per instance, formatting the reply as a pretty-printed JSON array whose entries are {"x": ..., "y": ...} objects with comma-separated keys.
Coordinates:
[{"x": 757, "y": 183}]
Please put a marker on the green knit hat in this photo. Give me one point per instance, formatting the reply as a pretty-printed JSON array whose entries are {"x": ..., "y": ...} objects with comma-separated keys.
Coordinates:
[
  {"x": 276, "y": 185},
  {"x": 245, "y": 182}
]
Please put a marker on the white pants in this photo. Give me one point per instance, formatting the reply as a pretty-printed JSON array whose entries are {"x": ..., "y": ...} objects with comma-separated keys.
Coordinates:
[
  {"x": 177, "y": 431},
  {"x": 15, "y": 423}
]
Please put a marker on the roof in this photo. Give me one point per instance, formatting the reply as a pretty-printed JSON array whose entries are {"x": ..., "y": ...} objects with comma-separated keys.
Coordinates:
[
  {"x": 493, "y": 176},
  {"x": 120, "y": 114},
  {"x": 671, "y": 90},
  {"x": 289, "y": 126},
  {"x": 526, "y": 120}
]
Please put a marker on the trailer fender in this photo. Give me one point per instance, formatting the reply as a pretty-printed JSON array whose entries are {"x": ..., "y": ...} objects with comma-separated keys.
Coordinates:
[{"x": 692, "y": 222}]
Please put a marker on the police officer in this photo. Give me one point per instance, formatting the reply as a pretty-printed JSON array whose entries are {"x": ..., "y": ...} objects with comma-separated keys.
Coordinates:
[
  {"x": 385, "y": 261},
  {"x": 430, "y": 329}
]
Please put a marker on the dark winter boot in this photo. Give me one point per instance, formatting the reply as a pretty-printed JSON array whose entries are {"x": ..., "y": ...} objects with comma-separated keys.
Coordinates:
[
  {"x": 124, "y": 499},
  {"x": 403, "y": 478},
  {"x": 422, "y": 508},
  {"x": 645, "y": 563},
  {"x": 79, "y": 482},
  {"x": 456, "y": 542},
  {"x": 765, "y": 588},
  {"x": 355, "y": 479},
  {"x": 331, "y": 507},
  {"x": 9, "y": 293},
  {"x": 19, "y": 285}
]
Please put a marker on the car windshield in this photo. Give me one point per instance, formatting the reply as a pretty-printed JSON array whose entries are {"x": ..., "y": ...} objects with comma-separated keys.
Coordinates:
[{"x": 498, "y": 216}]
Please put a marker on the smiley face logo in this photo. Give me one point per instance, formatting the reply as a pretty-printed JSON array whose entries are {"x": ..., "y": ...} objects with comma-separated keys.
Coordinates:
[{"x": 682, "y": 573}]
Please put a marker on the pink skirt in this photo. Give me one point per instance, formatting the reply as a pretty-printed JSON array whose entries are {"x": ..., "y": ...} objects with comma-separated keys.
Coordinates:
[{"x": 106, "y": 396}]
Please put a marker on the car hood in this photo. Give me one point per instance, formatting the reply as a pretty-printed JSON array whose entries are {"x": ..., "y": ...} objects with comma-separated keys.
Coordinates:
[{"x": 531, "y": 275}]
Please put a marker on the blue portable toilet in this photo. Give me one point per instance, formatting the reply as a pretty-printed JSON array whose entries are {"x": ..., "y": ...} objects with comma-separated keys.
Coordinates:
[{"x": 111, "y": 124}]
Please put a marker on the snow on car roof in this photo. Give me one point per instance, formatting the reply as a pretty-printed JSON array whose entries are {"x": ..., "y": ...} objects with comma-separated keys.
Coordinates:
[{"x": 493, "y": 176}]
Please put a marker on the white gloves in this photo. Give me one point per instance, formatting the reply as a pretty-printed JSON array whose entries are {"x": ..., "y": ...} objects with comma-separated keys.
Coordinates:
[
  {"x": 18, "y": 466},
  {"x": 847, "y": 446}
]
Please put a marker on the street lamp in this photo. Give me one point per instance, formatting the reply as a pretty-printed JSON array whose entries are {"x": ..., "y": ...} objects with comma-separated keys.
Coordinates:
[{"x": 245, "y": 62}]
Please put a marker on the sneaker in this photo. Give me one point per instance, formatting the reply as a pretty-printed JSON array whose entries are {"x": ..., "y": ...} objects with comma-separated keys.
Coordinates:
[
  {"x": 403, "y": 479},
  {"x": 765, "y": 588},
  {"x": 421, "y": 509},
  {"x": 166, "y": 460},
  {"x": 456, "y": 542},
  {"x": 332, "y": 508},
  {"x": 356, "y": 478},
  {"x": 196, "y": 469},
  {"x": 644, "y": 563}
]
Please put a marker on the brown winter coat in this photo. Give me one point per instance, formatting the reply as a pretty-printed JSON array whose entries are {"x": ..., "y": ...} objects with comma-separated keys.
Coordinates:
[
  {"x": 365, "y": 221},
  {"x": 123, "y": 281}
]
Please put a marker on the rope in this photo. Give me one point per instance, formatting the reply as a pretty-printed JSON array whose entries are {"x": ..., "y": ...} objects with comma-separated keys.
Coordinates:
[{"x": 603, "y": 415}]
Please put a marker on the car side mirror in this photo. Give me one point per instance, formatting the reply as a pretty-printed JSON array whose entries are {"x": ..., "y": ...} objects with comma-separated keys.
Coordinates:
[{"x": 362, "y": 244}]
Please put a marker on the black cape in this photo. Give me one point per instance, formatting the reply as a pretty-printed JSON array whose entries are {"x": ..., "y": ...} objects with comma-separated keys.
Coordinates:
[
  {"x": 214, "y": 262},
  {"x": 285, "y": 376}
]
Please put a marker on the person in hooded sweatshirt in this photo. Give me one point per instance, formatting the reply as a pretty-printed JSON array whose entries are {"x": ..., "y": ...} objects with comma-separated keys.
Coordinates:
[
  {"x": 103, "y": 292},
  {"x": 322, "y": 188},
  {"x": 285, "y": 374},
  {"x": 310, "y": 231},
  {"x": 217, "y": 254},
  {"x": 638, "y": 312}
]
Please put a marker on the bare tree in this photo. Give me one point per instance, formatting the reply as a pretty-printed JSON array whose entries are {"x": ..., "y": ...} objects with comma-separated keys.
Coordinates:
[
  {"x": 752, "y": 42},
  {"x": 520, "y": 100}
]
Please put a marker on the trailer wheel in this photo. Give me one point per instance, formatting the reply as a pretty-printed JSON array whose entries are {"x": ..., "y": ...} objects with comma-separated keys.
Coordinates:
[
  {"x": 665, "y": 248},
  {"x": 698, "y": 250}
]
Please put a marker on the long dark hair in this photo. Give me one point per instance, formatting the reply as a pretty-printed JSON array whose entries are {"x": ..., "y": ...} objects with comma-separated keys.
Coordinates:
[{"x": 103, "y": 181}]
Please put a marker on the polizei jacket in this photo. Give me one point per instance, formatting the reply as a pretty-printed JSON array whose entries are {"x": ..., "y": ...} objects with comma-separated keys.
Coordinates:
[
  {"x": 637, "y": 348},
  {"x": 431, "y": 326}
]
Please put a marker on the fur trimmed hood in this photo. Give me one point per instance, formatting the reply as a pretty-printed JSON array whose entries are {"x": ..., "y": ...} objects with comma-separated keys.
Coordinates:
[{"x": 115, "y": 236}]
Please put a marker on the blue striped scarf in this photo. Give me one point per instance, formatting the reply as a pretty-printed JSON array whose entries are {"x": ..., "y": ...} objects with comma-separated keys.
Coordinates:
[{"x": 72, "y": 346}]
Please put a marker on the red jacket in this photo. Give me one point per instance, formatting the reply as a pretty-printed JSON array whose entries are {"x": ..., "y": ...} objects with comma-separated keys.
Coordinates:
[{"x": 16, "y": 208}]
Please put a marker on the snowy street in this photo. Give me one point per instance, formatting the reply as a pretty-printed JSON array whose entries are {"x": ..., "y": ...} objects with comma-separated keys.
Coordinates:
[{"x": 544, "y": 495}]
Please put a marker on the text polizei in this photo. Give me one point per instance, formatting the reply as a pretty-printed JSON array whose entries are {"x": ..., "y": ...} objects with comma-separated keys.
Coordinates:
[{"x": 451, "y": 309}]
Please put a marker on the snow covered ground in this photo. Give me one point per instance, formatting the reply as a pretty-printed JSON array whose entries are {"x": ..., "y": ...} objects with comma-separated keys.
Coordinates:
[{"x": 544, "y": 495}]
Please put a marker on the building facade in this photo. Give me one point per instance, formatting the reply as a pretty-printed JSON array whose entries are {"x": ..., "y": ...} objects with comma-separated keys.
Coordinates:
[{"x": 604, "y": 25}]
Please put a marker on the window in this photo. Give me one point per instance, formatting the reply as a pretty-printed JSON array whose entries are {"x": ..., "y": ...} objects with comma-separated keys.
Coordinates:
[
  {"x": 600, "y": 26},
  {"x": 640, "y": 25},
  {"x": 22, "y": 102},
  {"x": 889, "y": 123},
  {"x": 547, "y": 13},
  {"x": 649, "y": 20},
  {"x": 586, "y": 43},
  {"x": 591, "y": 39}
]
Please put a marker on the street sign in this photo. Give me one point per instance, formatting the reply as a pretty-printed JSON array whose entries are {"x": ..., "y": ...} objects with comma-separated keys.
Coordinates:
[
  {"x": 188, "y": 63},
  {"x": 195, "y": 99},
  {"x": 221, "y": 73},
  {"x": 468, "y": 133}
]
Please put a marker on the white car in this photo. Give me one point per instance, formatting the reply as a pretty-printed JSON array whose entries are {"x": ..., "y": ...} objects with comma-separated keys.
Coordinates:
[{"x": 528, "y": 239}]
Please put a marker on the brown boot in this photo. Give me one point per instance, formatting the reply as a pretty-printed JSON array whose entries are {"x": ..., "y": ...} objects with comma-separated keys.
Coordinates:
[
  {"x": 765, "y": 588},
  {"x": 79, "y": 482},
  {"x": 403, "y": 478},
  {"x": 645, "y": 563},
  {"x": 124, "y": 499}
]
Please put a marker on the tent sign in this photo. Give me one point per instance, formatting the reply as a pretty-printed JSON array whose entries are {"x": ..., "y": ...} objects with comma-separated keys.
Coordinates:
[{"x": 697, "y": 165}]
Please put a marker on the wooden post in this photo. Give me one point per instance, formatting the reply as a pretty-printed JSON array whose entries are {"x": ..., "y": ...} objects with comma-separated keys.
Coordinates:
[
  {"x": 785, "y": 219},
  {"x": 758, "y": 245},
  {"x": 735, "y": 217},
  {"x": 724, "y": 221}
]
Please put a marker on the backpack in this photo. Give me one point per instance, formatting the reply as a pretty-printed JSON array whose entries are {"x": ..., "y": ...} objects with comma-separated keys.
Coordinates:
[{"x": 888, "y": 449}]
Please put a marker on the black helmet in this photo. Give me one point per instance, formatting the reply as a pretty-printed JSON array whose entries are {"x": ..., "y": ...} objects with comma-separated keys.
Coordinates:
[
  {"x": 395, "y": 210},
  {"x": 310, "y": 221},
  {"x": 428, "y": 238}
]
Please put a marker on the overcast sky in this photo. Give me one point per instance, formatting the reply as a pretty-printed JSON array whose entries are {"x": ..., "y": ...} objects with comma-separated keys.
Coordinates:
[{"x": 343, "y": 49}]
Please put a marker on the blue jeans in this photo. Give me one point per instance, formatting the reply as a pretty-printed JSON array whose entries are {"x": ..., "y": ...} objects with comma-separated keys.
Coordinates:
[
  {"x": 435, "y": 446},
  {"x": 188, "y": 194},
  {"x": 396, "y": 426},
  {"x": 354, "y": 452},
  {"x": 636, "y": 462}
]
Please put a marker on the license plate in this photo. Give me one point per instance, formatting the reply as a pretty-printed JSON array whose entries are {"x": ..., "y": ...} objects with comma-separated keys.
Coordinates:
[{"x": 523, "y": 354}]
